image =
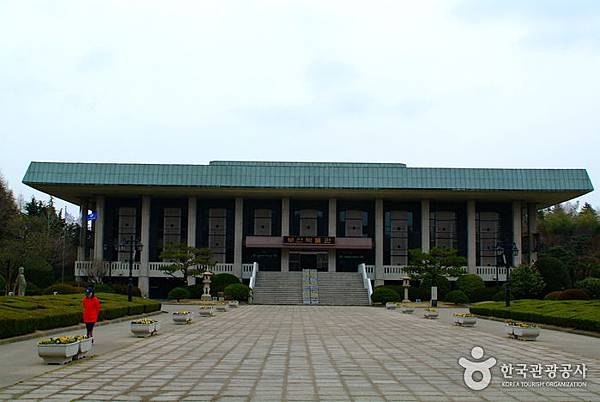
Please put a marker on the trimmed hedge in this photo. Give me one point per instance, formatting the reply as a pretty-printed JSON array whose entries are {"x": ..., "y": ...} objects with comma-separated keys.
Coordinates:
[
  {"x": 62, "y": 289},
  {"x": 219, "y": 282},
  {"x": 384, "y": 295},
  {"x": 22, "y": 315},
  {"x": 579, "y": 314},
  {"x": 179, "y": 293},
  {"x": 591, "y": 286},
  {"x": 237, "y": 291},
  {"x": 470, "y": 284},
  {"x": 568, "y": 294}
]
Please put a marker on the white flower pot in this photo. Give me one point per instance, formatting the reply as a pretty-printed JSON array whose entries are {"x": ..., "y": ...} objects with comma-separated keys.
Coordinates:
[
  {"x": 221, "y": 308},
  {"x": 465, "y": 321},
  {"x": 390, "y": 306},
  {"x": 85, "y": 345},
  {"x": 58, "y": 354},
  {"x": 144, "y": 330},
  {"x": 233, "y": 304},
  {"x": 407, "y": 310},
  {"x": 430, "y": 314},
  {"x": 182, "y": 318},
  {"x": 206, "y": 312},
  {"x": 508, "y": 329},
  {"x": 526, "y": 333}
]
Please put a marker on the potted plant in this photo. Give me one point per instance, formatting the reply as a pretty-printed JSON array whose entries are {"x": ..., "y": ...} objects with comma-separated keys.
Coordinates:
[
  {"x": 465, "y": 319},
  {"x": 59, "y": 350},
  {"x": 523, "y": 331},
  {"x": 431, "y": 312},
  {"x": 85, "y": 345},
  {"x": 407, "y": 308},
  {"x": 144, "y": 327},
  {"x": 233, "y": 304},
  {"x": 390, "y": 306},
  {"x": 182, "y": 317},
  {"x": 221, "y": 308},
  {"x": 206, "y": 311}
]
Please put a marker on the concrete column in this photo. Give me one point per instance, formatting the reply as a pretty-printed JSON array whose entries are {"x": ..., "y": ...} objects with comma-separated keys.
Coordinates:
[
  {"x": 471, "y": 238},
  {"x": 144, "y": 277},
  {"x": 82, "y": 249},
  {"x": 238, "y": 236},
  {"x": 516, "y": 209},
  {"x": 99, "y": 228},
  {"x": 331, "y": 267},
  {"x": 379, "y": 275},
  {"x": 192, "y": 219},
  {"x": 285, "y": 231},
  {"x": 425, "y": 226},
  {"x": 532, "y": 230}
]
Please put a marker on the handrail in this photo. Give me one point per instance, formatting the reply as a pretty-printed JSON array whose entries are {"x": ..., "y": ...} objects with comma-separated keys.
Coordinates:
[
  {"x": 366, "y": 281},
  {"x": 253, "y": 276}
]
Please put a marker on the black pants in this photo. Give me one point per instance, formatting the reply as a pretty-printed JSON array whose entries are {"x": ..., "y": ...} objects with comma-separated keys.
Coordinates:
[{"x": 89, "y": 326}]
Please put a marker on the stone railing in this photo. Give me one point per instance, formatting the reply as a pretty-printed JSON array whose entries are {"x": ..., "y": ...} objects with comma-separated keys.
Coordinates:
[
  {"x": 155, "y": 269},
  {"x": 247, "y": 271},
  {"x": 253, "y": 275},
  {"x": 488, "y": 273},
  {"x": 366, "y": 281},
  {"x": 398, "y": 272}
]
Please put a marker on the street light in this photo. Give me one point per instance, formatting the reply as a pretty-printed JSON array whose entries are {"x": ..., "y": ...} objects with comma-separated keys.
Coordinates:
[
  {"x": 507, "y": 250},
  {"x": 130, "y": 246}
]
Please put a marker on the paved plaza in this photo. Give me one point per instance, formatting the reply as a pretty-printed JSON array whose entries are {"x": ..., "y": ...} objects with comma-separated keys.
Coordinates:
[{"x": 306, "y": 353}]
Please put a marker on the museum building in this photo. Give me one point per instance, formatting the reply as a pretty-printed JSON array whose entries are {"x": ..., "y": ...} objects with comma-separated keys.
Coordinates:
[{"x": 293, "y": 216}]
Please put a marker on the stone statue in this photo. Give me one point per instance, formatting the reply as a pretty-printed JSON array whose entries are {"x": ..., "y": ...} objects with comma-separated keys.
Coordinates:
[{"x": 20, "y": 283}]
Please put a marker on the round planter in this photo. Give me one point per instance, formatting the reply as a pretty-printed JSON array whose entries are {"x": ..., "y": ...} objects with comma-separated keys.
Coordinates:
[
  {"x": 390, "y": 306},
  {"x": 206, "y": 312},
  {"x": 58, "y": 353},
  {"x": 465, "y": 321},
  {"x": 526, "y": 333},
  {"x": 144, "y": 330},
  {"x": 181, "y": 319}
]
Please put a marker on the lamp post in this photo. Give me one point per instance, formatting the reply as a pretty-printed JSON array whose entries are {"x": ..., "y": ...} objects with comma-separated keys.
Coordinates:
[
  {"x": 130, "y": 246},
  {"x": 507, "y": 250}
]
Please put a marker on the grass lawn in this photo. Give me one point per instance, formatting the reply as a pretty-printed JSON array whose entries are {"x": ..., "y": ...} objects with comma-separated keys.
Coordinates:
[
  {"x": 22, "y": 315},
  {"x": 580, "y": 314}
]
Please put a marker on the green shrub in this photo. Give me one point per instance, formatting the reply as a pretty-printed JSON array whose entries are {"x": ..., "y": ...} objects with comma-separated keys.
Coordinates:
[
  {"x": 591, "y": 286},
  {"x": 470, "y": 284},
  {"x": 122, "y": 289},
  {"x": 457, "y": 297},
  {"x": 384, "y": 295},
  {"x": 196, "y": 291},
  {"x": 442, "y": 284},
  {"x": 554, "y": 273},
  {"x": 483, "y": 294},
  {"x": 237, "y": 291},
  {"x": 103, "y": 288},
  {"x": 526, "y": 282},
  {"x": 568, "y": 294},
  {"x": 179, "y": 293},
  {"x": 220, "y": 281},
  {"x": 32, "y": 290},
  {"x": 2, "y": 285},
  {"x": 63, "y": 289},
  {"x": 416, "y": 293},
  {"x": 38, "y": 271}
]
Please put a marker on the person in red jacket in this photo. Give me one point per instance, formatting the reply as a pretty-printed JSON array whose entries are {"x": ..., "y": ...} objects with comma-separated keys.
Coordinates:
[{"x": 91, "y": 309}]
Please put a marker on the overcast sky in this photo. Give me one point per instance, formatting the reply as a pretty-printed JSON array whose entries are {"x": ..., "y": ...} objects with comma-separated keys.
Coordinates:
[{"x": 450, "y": 83}]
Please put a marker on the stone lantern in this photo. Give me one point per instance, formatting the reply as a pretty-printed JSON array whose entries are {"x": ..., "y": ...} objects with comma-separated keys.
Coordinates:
[
  {"x": 406, "y": 285},
  {"x": 206, "y": 288}
]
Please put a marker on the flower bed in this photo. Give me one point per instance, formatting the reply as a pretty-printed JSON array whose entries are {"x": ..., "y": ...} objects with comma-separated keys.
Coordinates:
[
  {"x": 465, "y": 319},
  {"x": 63, "y": 349},
  {"x": 522, "y": 330},
  {"x": 144, "y": 327},
  {"x": 182, "y": 317}
]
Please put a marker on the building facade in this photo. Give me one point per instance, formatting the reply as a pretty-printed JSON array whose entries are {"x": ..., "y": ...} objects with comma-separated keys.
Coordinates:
[{"x": 290, "y": 216}]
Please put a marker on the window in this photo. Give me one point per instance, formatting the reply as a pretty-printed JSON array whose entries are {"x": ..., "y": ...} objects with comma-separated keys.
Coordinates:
[
  {"x": 171, "y": 226},
  {"x": 399, "y": 222},
  {"x": 308, "y": 222},
  {"x": 489, "y": 233},
  {"x": 217, "y": 233},
  {"x": 443, "y": 229},
  {"x": 262, "y": 222},
  {"x": 126, "y": 229}
]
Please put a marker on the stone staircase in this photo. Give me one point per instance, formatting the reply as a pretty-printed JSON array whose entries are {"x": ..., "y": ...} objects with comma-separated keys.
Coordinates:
[
  {"x": 342, "y": 289},
  {"x": 334, "y": 288},
  {"x": 278, "y": 288}
]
